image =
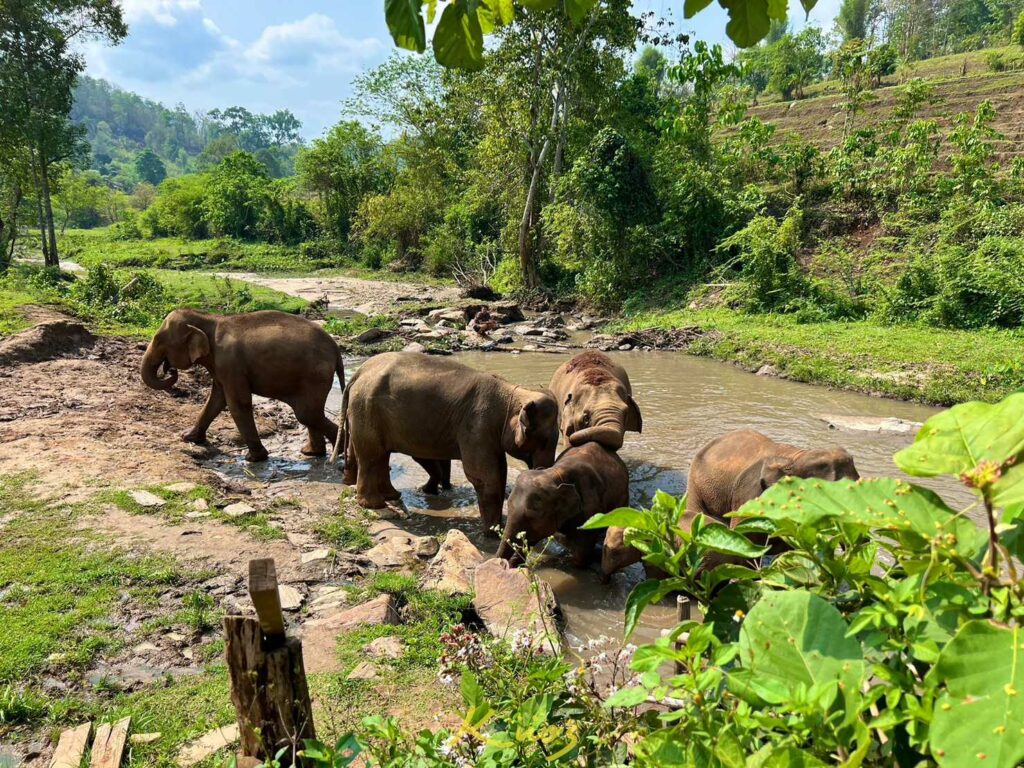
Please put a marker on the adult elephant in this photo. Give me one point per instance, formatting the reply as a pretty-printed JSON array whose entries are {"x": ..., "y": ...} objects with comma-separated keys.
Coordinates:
[
  {"x": 731, "y": 470},
  {"x": 596, "y": 399},
  {"x": 272, "y": 354},
  {"x": 436, "y": 410}
]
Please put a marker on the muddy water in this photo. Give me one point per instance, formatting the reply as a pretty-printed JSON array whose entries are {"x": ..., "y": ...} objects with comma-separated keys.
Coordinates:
[{"x": 685, "y": 402}]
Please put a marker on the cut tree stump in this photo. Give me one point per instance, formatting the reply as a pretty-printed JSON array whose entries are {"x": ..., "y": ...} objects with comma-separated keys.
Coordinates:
[
  {"x": 268, "y": 677},
  {"x": 108, "y": 746},
  {"x": 71, "y": 747}
]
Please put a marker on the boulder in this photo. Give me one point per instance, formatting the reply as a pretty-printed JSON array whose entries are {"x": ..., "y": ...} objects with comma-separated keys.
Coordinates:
[
  {"x": 400, "y": 549},
  {"x": 452, "y": 568},
  {"x": 414, "y": 347},
  {"x": 387, "y": 647},
  {"x": 238, "y": 509},
  {"x": 366, "y": 670},
  {"x": 146, "y": 500},
  {"x": 371, "y": 335},
  {"x": 315, "y": 556},
  {"x": 291, "y": 598},
  {"x": 528, "y": 330},
  {"x": 510, "y": 608},
  {"x": 380, "y": 610}
]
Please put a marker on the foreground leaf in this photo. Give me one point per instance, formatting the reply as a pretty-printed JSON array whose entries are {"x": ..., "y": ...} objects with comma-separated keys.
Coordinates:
[
  {"x": 797, "y": 639},
  {"x": 720, "y": 538},
  {"x": 459, "y": 39},
  {"x": 748, "y": 21},
  {"x": 979, "y": 720},
  {"x": 406, "y": 24}
]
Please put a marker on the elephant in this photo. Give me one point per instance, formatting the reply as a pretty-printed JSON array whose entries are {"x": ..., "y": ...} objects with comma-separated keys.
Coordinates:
[
  {"x": 731, "y": 470},
  {"x": 596, "y": 400},
  {"x": 585, "y": 481},
  {"x": 267, "y": 353},
  {"x": 436, "y": 410}
]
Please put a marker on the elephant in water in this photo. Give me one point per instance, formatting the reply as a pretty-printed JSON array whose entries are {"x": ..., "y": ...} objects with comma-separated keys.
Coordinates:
[
  {"x": 596, "y": 400},
  {"x": 435, "y": 410},
  {"x": 272, "y": 354},
  {"x": 584, "y": 482},
  {"x": 731, "y": 470}
]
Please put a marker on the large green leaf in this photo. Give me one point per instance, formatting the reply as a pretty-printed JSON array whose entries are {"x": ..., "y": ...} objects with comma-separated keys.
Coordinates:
[
  {"x": 882, "y": 504},
  {"x": 458, "y": 39},
  {"x": 405, "y": 22},
  {"x": 494, "y": 14},
  {"x": 538, "y": 5},
  {"x": 979, "y": 720},
  {"x": 624, "y": 517},
  {"x": 720, "y": 538},
  {"x": 958, "y": 440},
  {"x": 645, "y": 593},
  {"x": 783, "y": 757},
  {"x": 748, "y": 21},
  {"x": 578, "y": 9},
  {"x": 797, "y": 640}
]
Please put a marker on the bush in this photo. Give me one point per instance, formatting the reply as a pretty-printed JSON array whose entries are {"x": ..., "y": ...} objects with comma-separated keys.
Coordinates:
[{"x": 769, "y": 275}]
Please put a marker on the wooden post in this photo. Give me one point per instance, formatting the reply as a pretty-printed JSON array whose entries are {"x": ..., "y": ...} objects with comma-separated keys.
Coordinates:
[
  {"x": 682, "y": 614},
  {"x": 268, "y": 678}
]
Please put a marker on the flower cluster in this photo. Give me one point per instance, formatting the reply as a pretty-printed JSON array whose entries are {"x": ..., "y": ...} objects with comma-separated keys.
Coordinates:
[
  {"x": 462, "y": 648},
  {"x": 603, "y": 669}
]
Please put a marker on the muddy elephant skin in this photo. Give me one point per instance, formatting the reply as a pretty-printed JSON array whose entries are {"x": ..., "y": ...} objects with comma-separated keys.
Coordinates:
[
  {"x": 596, "y": 399},
  {"x": 268, "y": 353},
  {"x": 435, "y": 410},
  {"x": 585, "y": 481},
  {"x": 731, "y": 470}
]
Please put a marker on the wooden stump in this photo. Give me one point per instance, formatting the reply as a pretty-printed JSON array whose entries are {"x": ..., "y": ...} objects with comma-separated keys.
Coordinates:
[{"x": 268, "y": 678}]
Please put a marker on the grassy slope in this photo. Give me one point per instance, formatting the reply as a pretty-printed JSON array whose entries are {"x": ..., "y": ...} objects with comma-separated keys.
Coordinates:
[{"x": 909, "y": 362}]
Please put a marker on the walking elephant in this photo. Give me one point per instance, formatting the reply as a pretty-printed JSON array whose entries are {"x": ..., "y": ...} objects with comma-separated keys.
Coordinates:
[
  {"x": 583, "y": 482},
  {"x": 268, "y": 353},
  {"x": 436, "y": 410},
  {"x": 731, "y": 470},
  {"x": 596, "y": 400}
]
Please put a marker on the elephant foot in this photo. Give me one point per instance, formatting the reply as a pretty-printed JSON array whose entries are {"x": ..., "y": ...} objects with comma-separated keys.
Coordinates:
[
  {"x": 309, "y": 450},
  {"x": 392, "y": 495},
  {"x": 348, "y": 478},
  {"x": 194, "y": 438},
  {"x": 371, "y": 502},
  {"x": 254, "y": 457}
]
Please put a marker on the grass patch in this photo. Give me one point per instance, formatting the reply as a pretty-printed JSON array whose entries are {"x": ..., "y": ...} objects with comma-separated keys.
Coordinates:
[
  {"x": 353, "y": 326},
  {"x": 59, "y": 587},
  {"x": 930, "y": 365},
  {"x": 12, "y": 299},
  {"x": 345, "y": 533}
]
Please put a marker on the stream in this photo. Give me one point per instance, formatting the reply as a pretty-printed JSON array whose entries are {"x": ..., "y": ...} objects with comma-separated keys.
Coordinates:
[{"x": 685, "y": 402}]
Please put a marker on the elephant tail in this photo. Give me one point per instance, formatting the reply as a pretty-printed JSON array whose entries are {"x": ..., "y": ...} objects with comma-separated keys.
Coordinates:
[{"x": 342, "y": 439}]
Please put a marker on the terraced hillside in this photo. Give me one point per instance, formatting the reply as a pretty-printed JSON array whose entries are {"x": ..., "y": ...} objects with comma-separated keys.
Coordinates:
[{"x": 962, "y": 81}]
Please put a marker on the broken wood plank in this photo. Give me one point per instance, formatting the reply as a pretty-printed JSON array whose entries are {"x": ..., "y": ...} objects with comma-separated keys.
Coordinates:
[
  {"x": 206, "y": 745},
  {"x": 108, "y": 746},
  {"x": 266, "y": 598},
  {"x": 71, "y": 747}
]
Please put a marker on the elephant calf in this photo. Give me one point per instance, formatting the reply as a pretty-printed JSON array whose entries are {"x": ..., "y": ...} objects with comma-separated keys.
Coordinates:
[
  {"x": 596, "y": 400},
  {"x": 435, "y": 410},
  {"x": 272, "y": 354},
  {"x": 585, "y": 481},
  {"x": 731, "y": 470}
]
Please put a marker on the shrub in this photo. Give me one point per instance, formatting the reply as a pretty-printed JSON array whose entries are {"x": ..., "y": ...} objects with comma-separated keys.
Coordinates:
[{"x": 770, "y": 277}]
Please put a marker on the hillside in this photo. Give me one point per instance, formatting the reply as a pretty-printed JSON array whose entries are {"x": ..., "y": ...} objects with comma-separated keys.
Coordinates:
[{"x": 962, "y": 81}]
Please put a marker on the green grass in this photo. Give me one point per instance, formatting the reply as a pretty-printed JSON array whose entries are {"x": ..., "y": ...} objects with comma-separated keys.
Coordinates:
[
  {"x": 12, "y": 299},
  {"x": 60, "y": 586},
  {"x": 345, "y": 533},
  {"x": 931, "y": 365}
]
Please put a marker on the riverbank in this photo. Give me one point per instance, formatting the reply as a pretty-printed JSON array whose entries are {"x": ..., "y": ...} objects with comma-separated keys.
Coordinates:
[{"x": 921, "y": 364}]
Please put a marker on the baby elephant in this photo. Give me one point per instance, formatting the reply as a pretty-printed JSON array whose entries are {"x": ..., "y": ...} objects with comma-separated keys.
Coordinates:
[
  {"x": 585, "y": 481},
  {"x": 269, "y": 353},
  {"x": 730, "y": 471}
]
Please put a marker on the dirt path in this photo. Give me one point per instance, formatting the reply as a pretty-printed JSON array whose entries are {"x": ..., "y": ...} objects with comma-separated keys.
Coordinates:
[{"x": 367, "y": 297}]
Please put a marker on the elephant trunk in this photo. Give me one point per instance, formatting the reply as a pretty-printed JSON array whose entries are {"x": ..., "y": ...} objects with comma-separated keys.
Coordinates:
[
  {"x": 150, "y": 369},
  {"x": 608, "y": 435}
]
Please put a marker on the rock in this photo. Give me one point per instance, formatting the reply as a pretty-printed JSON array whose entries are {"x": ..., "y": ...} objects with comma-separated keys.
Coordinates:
[
  {"x": 426, "y": 546},
  {"x": 183, "y": 487},
  {"x": 401, "y": 549},
  {"x": 175, "y": 637},
  {"x": 207, "y": 745},
  {"x": 367, "y": 670},
  {"x": 506, "y": 312},
  {"x": 528, "y": 330},
  {"x": 200, "y": 505},
  {"x": 509, "y": 608},
  {"x": 479, "y": 292},
  {"x": 145, "y": 738},
  {"x": 767, "y": 370},
  {"x": 146, "y": 499},
  {"x": 371, "y": 335},
  {"x": 238, "y": 509},
  {"x": 291, "y": 598},
  {"x": 329, "y": 597},
  {"x": 197, "y": 515},
  {"x": 387, "y": 647},
  {"x": 146, "y": 647},
  {"x": 434, "y": 335},
  {"x": 298, "y": 539},
  {"x": 452, "y": 568},
  {"x": 450, "y": 315},
  {"x": 380, "y": 610},
  {"x": 414, "y": 347},
  {"x": 871, "y": 424},
  {"x": 625, "y": 347},
  {"x": 315, "y": 556}
]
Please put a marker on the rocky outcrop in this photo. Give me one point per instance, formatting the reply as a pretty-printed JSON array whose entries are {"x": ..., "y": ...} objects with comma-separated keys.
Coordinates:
[
  {"x": 513, "y": 608},
  {"x": 453, "y": 566}
]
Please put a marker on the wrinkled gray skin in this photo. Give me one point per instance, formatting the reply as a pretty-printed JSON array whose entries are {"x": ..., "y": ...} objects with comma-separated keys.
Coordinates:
[
  {"x": 272, "y": 354},
  {"x": 596, "y": 400},
  {"x": 731, "y": 470},
  {"x": 435, "y": 410},
  {"x": 585, "y": 481}
]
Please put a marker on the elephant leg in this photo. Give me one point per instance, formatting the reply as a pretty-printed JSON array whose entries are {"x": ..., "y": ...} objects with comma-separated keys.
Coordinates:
[
  {"x": 240, "y": 405},
  {"x": 313, "y": 420},
  {"x": 488, "y": 479},
  {"x": 387, "y": 489},
  {"x": 581, "y": 547},
  {"x": 351, "y": 473},
  {"x": 215, "y": 404},
  {"x": 440, "y": 472}
]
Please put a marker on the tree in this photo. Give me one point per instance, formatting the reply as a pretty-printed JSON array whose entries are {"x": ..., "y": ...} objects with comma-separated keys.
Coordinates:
[
  {"x": 149, "y": 167},
  {"x": 852, "y": 19},
  {"x": 236, "y": 196},
  {"x": 1018, "y": 30},
  {"x": 795, "y": 62},
  {"x": 38, "y": 69}
]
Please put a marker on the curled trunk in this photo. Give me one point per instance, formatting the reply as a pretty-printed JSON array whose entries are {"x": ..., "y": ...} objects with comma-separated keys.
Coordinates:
[
  {"x": 608, "y": 435},
  {"x": 150, "y": 370}
]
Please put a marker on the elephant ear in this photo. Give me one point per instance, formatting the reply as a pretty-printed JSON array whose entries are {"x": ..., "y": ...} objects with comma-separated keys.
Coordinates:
[
  {"x": 198, "y": 344},
  {"x": 569, "y": 503},
  {"x": 773, "y": 469},
  {"x": 634, "y": 421},
  {"x": 527, "y": 418}
]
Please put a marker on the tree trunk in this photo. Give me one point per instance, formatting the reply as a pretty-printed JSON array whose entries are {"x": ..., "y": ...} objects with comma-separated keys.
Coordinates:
[
  {"x": 527, "y": 262},
  {"x": 39, "y": 207},
  {"x": 51, "y": 232}
]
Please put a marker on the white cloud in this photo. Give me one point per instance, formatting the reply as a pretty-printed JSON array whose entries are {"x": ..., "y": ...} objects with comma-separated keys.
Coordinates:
[
  {"x": 163, "y": 12},
  {"x": 314, "y": 40}
]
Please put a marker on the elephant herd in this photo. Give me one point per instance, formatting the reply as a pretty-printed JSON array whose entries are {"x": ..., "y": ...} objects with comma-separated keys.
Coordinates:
[{"x": 434, "y": 410}]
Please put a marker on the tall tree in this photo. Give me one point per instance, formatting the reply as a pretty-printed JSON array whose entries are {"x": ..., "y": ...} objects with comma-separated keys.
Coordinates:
[
  {"x": 38, "y": 69},
  {"x": 852, "y": 20}
]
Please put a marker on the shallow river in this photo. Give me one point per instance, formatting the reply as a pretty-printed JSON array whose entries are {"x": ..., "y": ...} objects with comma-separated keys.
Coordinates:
[{"x": 685, "y": 402}]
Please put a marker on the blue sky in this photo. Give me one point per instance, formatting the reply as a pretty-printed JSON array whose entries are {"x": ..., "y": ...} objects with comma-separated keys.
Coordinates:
[{"x": 298, "y": 54}]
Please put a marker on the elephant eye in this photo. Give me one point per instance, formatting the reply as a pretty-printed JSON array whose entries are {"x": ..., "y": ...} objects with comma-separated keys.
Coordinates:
[{"x": 586, "y": 419}]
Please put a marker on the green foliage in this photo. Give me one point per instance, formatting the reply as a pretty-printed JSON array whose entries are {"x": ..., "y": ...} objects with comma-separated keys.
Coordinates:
[
  {"x": 149, "y": 167},
  {"x": 766, "y": 259},
  {"x": 1017, "y": 35}
]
